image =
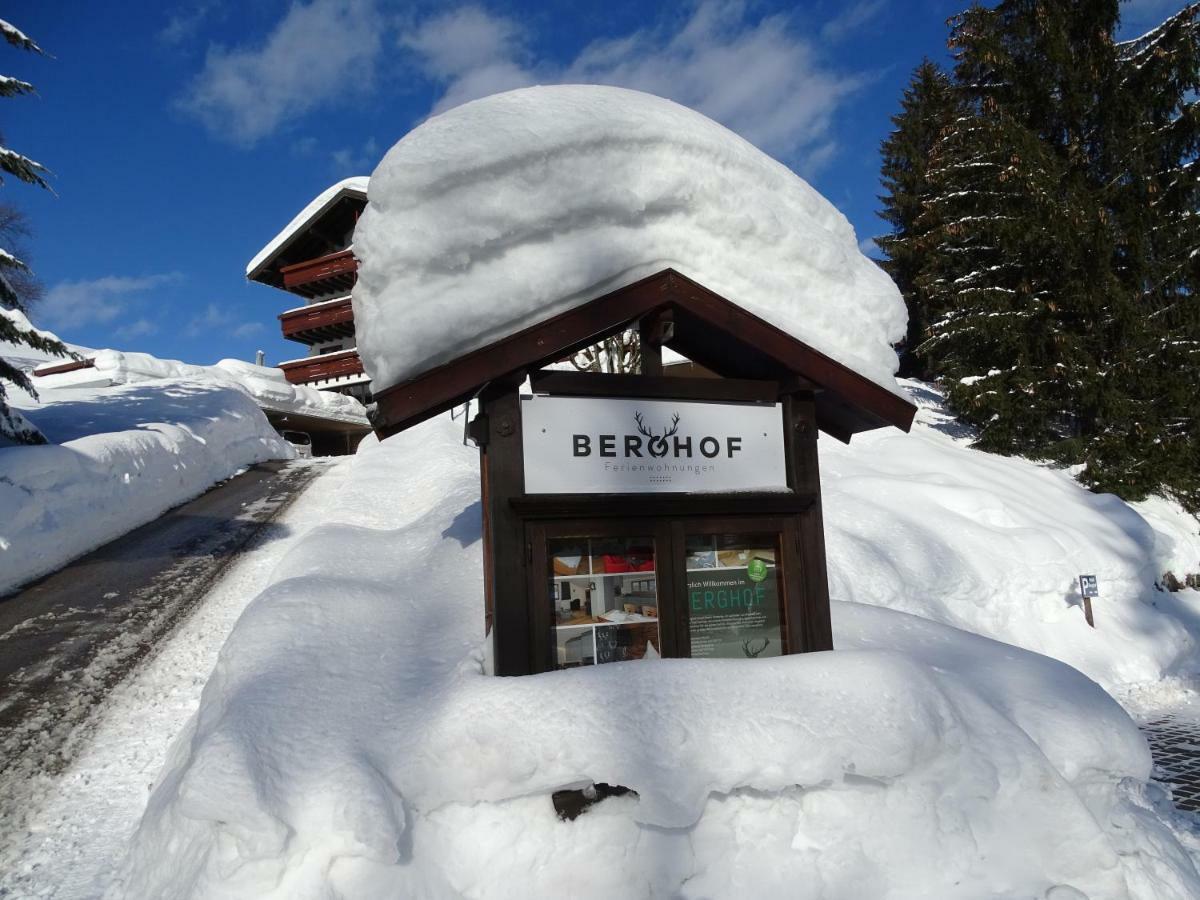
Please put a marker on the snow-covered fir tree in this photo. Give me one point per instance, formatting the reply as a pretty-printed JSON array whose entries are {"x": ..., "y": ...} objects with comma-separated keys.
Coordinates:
[
  {"x": 929, "y": 109},
  {"x": 1156, "y": 195},
  {"x": 12, "y": 425},
  {"x": 1054, "y": 245}
]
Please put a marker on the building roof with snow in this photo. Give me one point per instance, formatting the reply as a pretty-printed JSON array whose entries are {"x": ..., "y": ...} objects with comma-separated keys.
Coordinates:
[{"x": 322, "y": 227}]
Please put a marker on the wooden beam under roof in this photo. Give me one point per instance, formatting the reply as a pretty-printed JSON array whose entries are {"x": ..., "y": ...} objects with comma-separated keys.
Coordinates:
[{"x": 708, "y": 328}]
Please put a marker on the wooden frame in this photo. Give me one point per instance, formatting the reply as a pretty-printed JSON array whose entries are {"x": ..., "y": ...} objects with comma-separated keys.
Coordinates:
[
  {"x": 517, "y": 525},
  {"x": 703, "y": 326},
  {"x": 670, "y": 539}
]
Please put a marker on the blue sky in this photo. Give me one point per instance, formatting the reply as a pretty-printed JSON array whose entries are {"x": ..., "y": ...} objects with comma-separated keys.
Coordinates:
[{"x": 182, "y": 137}]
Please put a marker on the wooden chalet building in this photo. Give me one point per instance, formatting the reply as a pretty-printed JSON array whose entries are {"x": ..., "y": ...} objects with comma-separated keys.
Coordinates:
[{"x": 311, "y": 259}]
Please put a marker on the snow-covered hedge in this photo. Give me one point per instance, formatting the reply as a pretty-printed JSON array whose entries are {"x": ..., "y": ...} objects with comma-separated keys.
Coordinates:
[
  {"x": 349, "y": 744},
  {"x": 505, "y": 211}
]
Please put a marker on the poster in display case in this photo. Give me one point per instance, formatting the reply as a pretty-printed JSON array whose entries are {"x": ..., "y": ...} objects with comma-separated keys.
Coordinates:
[
  {"x": 604, "y": 593},
  {"x": 733, "y": 597}
]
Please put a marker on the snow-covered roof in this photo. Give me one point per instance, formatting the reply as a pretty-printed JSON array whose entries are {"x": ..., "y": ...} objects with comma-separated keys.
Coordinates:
[
  {"x": 504, "y": 212},
  {"x": 320, "y": 204}
]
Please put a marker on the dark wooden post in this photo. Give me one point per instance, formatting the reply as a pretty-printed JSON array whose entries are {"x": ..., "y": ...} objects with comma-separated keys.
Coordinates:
[
  {"x": 653, "y": 331},
  {"x": 800, "y": 439},
  {"x": 498, "y": 432}
]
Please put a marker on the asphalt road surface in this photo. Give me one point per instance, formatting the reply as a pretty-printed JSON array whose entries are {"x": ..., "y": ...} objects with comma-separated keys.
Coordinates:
[{"x": 67, "y": 639}]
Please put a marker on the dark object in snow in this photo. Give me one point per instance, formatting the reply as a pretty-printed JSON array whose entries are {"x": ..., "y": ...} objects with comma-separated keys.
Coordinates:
[{"x": 570, "y": 805}]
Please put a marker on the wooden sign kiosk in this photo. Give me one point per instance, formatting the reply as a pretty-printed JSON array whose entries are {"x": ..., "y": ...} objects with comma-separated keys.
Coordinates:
[{"x": 628, "y": 516}]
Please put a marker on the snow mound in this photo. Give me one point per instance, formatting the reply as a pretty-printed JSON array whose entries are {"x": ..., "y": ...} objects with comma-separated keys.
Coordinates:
[
  {"x": 506, "y": 211},
  {"x": 266, "y": 384},
  {"x": 349, "y": 744},
  {"x": 122, "y": 456},
  {"x": 995, "y": 545}
]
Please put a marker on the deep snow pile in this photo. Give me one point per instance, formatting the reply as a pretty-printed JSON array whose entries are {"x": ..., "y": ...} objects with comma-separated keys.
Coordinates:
[
  {"x": 266, "y": 384},
  {"x": 119, "y": 457},
  {"x": 994, "y": 545},
  {"x": 349, "y": 744},
  {"x": 507, "y": 210}
]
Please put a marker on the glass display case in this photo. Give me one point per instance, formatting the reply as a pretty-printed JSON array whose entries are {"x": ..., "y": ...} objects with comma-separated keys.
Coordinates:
[{"x": 604, "y": 597}]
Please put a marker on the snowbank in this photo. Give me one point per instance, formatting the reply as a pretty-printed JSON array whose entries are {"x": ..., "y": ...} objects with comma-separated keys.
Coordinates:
[
  {"x": 503, "y": 212},
  {"x": 121, "y": 456},
  {"x": 266, "y": 384},
  {"x": 349, "y": 744},
  {"x": 136, "y": 436},
  {"x": 994, "y": 545}
]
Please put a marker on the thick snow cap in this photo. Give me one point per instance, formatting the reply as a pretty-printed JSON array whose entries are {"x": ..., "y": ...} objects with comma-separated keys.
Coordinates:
[{"x": 506, "y": 211}]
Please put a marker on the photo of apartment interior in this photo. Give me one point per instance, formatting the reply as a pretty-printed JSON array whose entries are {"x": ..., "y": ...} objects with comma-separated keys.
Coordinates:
[
  {"x": 728, "y": 551},
  {"x": 605, "y": 598}
]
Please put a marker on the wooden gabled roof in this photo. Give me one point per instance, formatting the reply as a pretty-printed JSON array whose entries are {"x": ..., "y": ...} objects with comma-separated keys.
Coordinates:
[{"x": 707, "y": 328}]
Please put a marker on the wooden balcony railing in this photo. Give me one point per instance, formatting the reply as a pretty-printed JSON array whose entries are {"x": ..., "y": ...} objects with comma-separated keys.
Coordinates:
[
  {"x": 321, "y": 275},
  {"x": 327, "y": 365},
  {"x": 319, "y": 323}
]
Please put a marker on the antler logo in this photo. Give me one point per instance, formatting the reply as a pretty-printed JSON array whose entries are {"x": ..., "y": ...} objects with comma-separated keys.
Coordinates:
[{"x": 657, "y": 445}]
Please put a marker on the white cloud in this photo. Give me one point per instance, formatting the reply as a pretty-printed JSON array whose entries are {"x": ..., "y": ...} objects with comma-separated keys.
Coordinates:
[
  {"x": 759, "y": 78},
  {"x": 463, "y": 40},
  {"x": 186, "y": 22},
  {"x": 349, "y": 161},
  {"x": 248, "y": 329},
  {"x": 213, "y": 318},
  {"x": 136, "y": 329},
  {"x": 319, "y": 51},
  {"x": 851, "y": 18},
  {"x": 223, "y": 321},
  {"x": 97, "y": 300},
  {"x": 868, "y": 247}
]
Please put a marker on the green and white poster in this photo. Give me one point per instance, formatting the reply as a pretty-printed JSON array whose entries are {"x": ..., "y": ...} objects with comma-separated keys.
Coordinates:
[{"x": 734, "y": 613}]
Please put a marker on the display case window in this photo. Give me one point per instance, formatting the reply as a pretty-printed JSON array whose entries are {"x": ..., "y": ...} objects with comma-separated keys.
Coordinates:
[
  {"x": 734, "y": 596},
  {"x": 604, "y": 600}
]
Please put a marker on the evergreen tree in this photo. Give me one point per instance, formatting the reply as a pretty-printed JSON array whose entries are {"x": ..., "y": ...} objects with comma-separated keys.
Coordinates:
[
  {"x": 13, "y": 426},
  {"x": 1155, "y": 195},
  {"x": 927, "y": 110},
  {"x": 1055, "y": 244}
]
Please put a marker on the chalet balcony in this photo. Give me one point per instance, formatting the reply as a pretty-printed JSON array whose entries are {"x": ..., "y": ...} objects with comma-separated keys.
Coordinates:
[
  {"x": 319, "y": 323},
  {"x": 319, "y": 368},
  {"x": 323, "y": 275}
]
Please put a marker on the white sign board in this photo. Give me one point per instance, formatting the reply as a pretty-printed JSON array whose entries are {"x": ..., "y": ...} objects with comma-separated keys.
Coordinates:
[{"x": 602, "y": 445}]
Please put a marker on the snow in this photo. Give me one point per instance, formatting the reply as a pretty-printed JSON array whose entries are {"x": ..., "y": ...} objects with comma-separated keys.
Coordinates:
[
  {"x": 119, "y": 457},
  {"x": 505, "y": 211},
  {"x": 995, "y": 545},
  {"x": 17, "y": 37},
  {"x": 306, "y": 216},
  {"x": 130, "y": 438},
  {"x": 24, "y": 356},
  {"x": 266, "y": 384},
  {"x": 350, "y": 743},
  {"x": 78, "y": 822}
]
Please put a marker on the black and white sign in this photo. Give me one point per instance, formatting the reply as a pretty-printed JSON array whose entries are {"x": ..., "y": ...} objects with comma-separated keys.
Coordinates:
[
  {"x": 1089, "y": 586},
  {"x": 598, "y": 445}
]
